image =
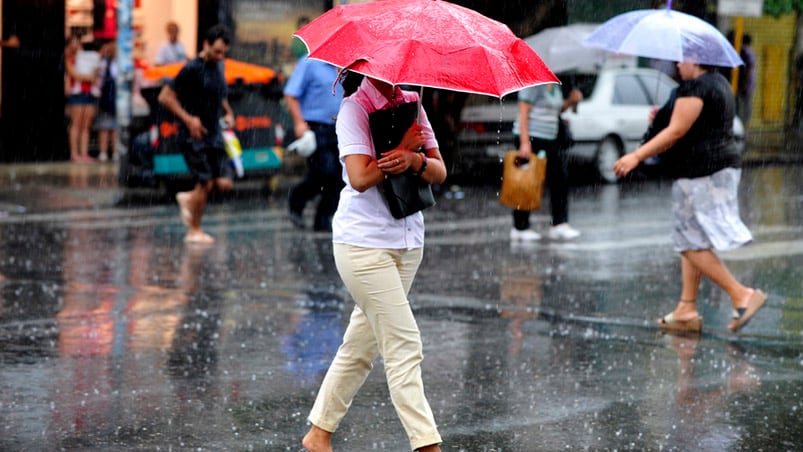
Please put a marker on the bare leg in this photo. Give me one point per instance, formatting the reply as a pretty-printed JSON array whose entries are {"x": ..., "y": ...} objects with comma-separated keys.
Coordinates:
[
  {"x": 74, "y": 132},
  {"x": 104, "y": 135},
  {"x": 430, "y": 448},
  {"x": 687, "y": 307},
  {"x": 192, "y": 204},
  {"x": 223, "y": 184},
  {"x": 317, "y": 440},
  {"x": 712, "y": 268},
  {"x": 113, "y": 140},
  {"x": 87, "y": 113}
]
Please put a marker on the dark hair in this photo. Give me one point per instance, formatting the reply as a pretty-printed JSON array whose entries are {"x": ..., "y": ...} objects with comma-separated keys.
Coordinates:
[
  {"x": 218, "y": 32},
  {"x": 747, "y": 39},
  {"x": 351, "y": 81}
]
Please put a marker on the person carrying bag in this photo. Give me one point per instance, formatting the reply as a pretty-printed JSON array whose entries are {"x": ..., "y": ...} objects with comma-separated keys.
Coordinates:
[{"x": 537, "y": 128}]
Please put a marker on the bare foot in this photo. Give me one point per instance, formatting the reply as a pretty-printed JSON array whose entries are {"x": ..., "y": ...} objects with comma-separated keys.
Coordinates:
[
  {"x": 199, "y": 237},
  {"x": 430, "y": 448},
  {"x": 317, "y": 440}
]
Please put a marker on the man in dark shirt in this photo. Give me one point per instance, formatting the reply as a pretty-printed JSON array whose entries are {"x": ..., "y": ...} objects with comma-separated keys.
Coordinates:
[{"x": 197, "y": 96}]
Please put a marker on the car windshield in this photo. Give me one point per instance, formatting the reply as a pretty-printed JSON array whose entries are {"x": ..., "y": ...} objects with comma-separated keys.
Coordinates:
[
  {"x": 584, "y": 82},
  {"x": 656, "y": 87},
  {"x": 629, "y": 90}
]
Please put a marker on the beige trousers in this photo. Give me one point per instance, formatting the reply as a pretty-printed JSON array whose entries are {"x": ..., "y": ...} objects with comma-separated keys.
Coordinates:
[{"x": 382, "y": 323}]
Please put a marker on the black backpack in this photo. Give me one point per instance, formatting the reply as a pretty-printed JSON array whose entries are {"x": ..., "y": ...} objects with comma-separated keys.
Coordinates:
[{"x": 108, "y": 91}]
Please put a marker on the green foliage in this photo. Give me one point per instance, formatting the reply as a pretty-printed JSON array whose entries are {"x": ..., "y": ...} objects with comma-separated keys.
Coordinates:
[{"x": 780, "y": 7}]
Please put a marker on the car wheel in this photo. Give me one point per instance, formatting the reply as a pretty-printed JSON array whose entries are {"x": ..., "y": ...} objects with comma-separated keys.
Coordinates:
[{"x": 608, "y": 153}]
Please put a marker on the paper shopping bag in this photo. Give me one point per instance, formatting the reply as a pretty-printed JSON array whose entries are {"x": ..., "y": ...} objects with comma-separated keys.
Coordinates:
[{"x": 522, "y": 182}]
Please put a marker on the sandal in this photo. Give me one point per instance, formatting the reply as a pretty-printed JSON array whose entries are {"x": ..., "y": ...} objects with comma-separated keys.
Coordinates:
[
  {"x": 670, "y": 323},
  {"x": 742, "y": 315}
]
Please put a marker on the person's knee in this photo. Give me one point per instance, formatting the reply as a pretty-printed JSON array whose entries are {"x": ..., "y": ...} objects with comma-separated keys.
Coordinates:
[
  {"x": 404, "y": 351},
  {"x": 203, "y": 188},
  {"x": 224, "y": 184}
]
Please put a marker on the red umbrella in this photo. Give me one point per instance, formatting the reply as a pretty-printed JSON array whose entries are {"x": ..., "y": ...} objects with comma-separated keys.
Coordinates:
[{"x": 429, "y": 43}]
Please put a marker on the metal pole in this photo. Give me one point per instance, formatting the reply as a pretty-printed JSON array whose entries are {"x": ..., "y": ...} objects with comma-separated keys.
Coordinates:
[
  {"x": 125, "y": 79},
  {"x": 738, "y": 33}
]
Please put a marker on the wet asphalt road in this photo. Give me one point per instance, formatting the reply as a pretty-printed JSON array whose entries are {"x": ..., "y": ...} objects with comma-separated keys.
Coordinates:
[{"x": 114, "y": 335}]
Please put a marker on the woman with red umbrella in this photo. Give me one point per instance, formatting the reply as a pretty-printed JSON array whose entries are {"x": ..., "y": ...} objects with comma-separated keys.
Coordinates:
[
  {"x": 705, "y": 163},
  {"x": 397, "y": 42},
  {"x": 377, "y": 256}
]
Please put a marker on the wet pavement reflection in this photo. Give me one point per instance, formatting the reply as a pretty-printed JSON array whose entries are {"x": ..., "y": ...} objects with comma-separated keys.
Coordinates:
[{"x": 115, "y": 335}]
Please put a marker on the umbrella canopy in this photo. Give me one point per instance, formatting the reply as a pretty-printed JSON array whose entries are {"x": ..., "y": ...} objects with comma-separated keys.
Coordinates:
[
  {"x": 562, "y": 48},
  {"x": 667, "y": 35},
  {"x": 233, "y": 70},
  {"x": 429, "y": 43}
]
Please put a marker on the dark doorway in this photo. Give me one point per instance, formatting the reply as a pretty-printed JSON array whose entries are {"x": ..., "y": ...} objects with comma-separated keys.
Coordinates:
[
  {"x": 213, "y": 12},
  {"x": 32, "y": 124}
]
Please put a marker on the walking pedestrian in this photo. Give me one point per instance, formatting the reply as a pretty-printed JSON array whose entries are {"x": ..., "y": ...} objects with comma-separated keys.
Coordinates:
[
  {"x": 705, "y": 163},
  {"x": 536, "y": 129},
  {"x": 313, "y": 108},
  {"x": 198, "y": 98},
  {"x": 377, "y": 256}
]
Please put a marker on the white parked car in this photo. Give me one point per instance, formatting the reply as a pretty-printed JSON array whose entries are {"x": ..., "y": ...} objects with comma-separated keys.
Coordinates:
[{"x": 609, "y": 122}]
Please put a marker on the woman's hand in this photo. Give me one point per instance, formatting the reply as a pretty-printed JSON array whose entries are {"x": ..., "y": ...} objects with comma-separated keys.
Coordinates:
[
  {"x": 413, "y": 139},
  {"x": 651, "y": 116},
  {"x": 397, "y": 161},
  {"x": 626, "y": 164}
]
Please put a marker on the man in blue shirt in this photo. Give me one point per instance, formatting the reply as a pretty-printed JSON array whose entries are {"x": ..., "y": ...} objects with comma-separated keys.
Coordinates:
[{"x": 313, "y": 107}]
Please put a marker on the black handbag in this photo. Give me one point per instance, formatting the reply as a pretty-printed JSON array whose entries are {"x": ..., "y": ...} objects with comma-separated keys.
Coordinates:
[{"x": 405, "y": 193}]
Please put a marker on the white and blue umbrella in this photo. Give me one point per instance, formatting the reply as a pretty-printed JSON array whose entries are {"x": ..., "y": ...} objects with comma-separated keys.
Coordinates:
[{"x": 666, "y": 35}]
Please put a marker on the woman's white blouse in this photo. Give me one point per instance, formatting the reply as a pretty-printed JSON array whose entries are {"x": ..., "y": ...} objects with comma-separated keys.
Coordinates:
[{"x": 364, "y": 219}]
